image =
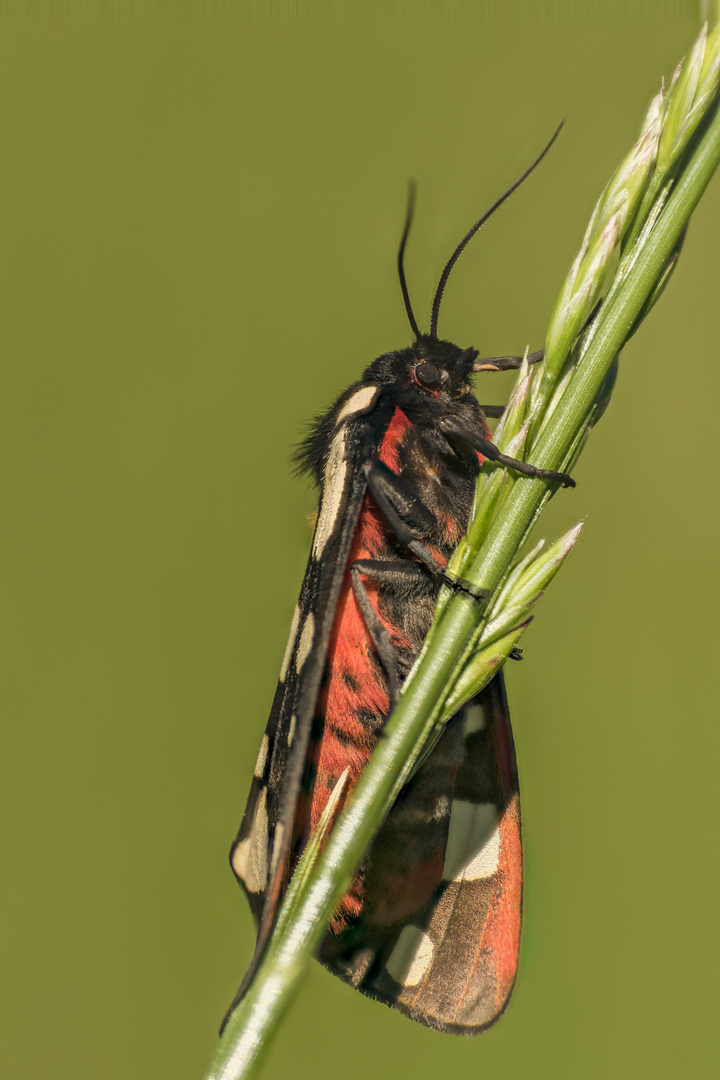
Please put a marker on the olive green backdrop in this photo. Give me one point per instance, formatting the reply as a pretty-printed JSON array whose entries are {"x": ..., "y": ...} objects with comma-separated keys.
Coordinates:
[{"x": 200, "y": 216}]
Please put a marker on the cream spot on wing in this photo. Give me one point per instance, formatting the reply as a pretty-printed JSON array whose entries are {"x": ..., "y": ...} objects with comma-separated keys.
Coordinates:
[
  {"x": 473, "y": 845},
  {"x": 411, "y": 957},
  {"x": 291, "y": 729},
  {"x": 360, "y": 401},
  {"x": 358, "y": 966},
  {"x": 474, "y": 718},
  {"x": 442, "y": 808},
  {"x": 333, "y": 489},
  {"x": 250, "y": 856},
  {"x": 291, "y": 642},
  {"x": 307, "y": 635},
  {"x": 262, "y": 757},
  {"x": 486, "y": 861}
]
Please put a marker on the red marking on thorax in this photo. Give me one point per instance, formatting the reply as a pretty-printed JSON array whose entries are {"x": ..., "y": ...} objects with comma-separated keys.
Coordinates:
[{"x": 393, "y": 436}]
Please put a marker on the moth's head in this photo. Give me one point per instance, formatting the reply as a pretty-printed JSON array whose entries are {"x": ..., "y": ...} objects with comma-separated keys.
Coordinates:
[
  {"x": 430, "y": 373},
  {"x": 440, "y": 368}
]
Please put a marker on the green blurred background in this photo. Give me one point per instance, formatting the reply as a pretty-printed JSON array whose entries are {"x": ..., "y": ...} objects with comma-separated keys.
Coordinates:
[{"x": 200, "y": 215}]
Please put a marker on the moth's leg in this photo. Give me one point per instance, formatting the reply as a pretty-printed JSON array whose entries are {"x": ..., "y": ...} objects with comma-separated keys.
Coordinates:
[
  {"x": 493, "y": 411},
  {"x": 489, "y": 450},
  {"x": 410, "y": 520},
  {"x": 387, "y": 572},
  {"x": 506, "y": 363}
]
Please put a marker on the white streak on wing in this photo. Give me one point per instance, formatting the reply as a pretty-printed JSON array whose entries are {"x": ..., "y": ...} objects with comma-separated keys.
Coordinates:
[
  {"x": 262, "y": 757},
  {"x": 360, "y": 401},
  {"x": 335, "y": 474},
  {"x": 473, "y": 846},
  {"x": 307, "y": 635},
  {"x": 290, "y": 644},
  {"x": 333, "y": 488},
  {"x": 250, "y": 856},
  {"x": 474, "y": 718},
  {"x": 291, "y": 729},
  {"x": 411, "y": 957}
]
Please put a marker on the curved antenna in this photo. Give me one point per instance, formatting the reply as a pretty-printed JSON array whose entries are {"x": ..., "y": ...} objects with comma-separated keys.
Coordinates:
[
  {"x": 401, "y": 254},
  {"x": 469, "y": 235}
]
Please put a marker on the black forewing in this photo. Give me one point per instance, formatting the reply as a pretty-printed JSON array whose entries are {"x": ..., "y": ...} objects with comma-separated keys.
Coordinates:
[{"x": 341, "y": 442}]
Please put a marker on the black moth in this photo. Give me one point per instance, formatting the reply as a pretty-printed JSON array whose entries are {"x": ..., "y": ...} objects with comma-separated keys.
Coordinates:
[{"x": 431, "y": 924}]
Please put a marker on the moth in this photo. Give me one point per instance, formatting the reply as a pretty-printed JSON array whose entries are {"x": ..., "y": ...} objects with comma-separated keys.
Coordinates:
[{"x": 431, "y": 924}]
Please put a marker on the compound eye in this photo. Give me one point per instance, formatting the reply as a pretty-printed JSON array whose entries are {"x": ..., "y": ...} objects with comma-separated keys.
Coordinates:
[{"x": 428, "y": 375}]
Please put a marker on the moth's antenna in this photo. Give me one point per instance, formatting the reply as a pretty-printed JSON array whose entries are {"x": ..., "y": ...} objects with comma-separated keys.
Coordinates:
[
  {"x": 401, "y": 253},
  {"x": 469, "y": 235}
]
